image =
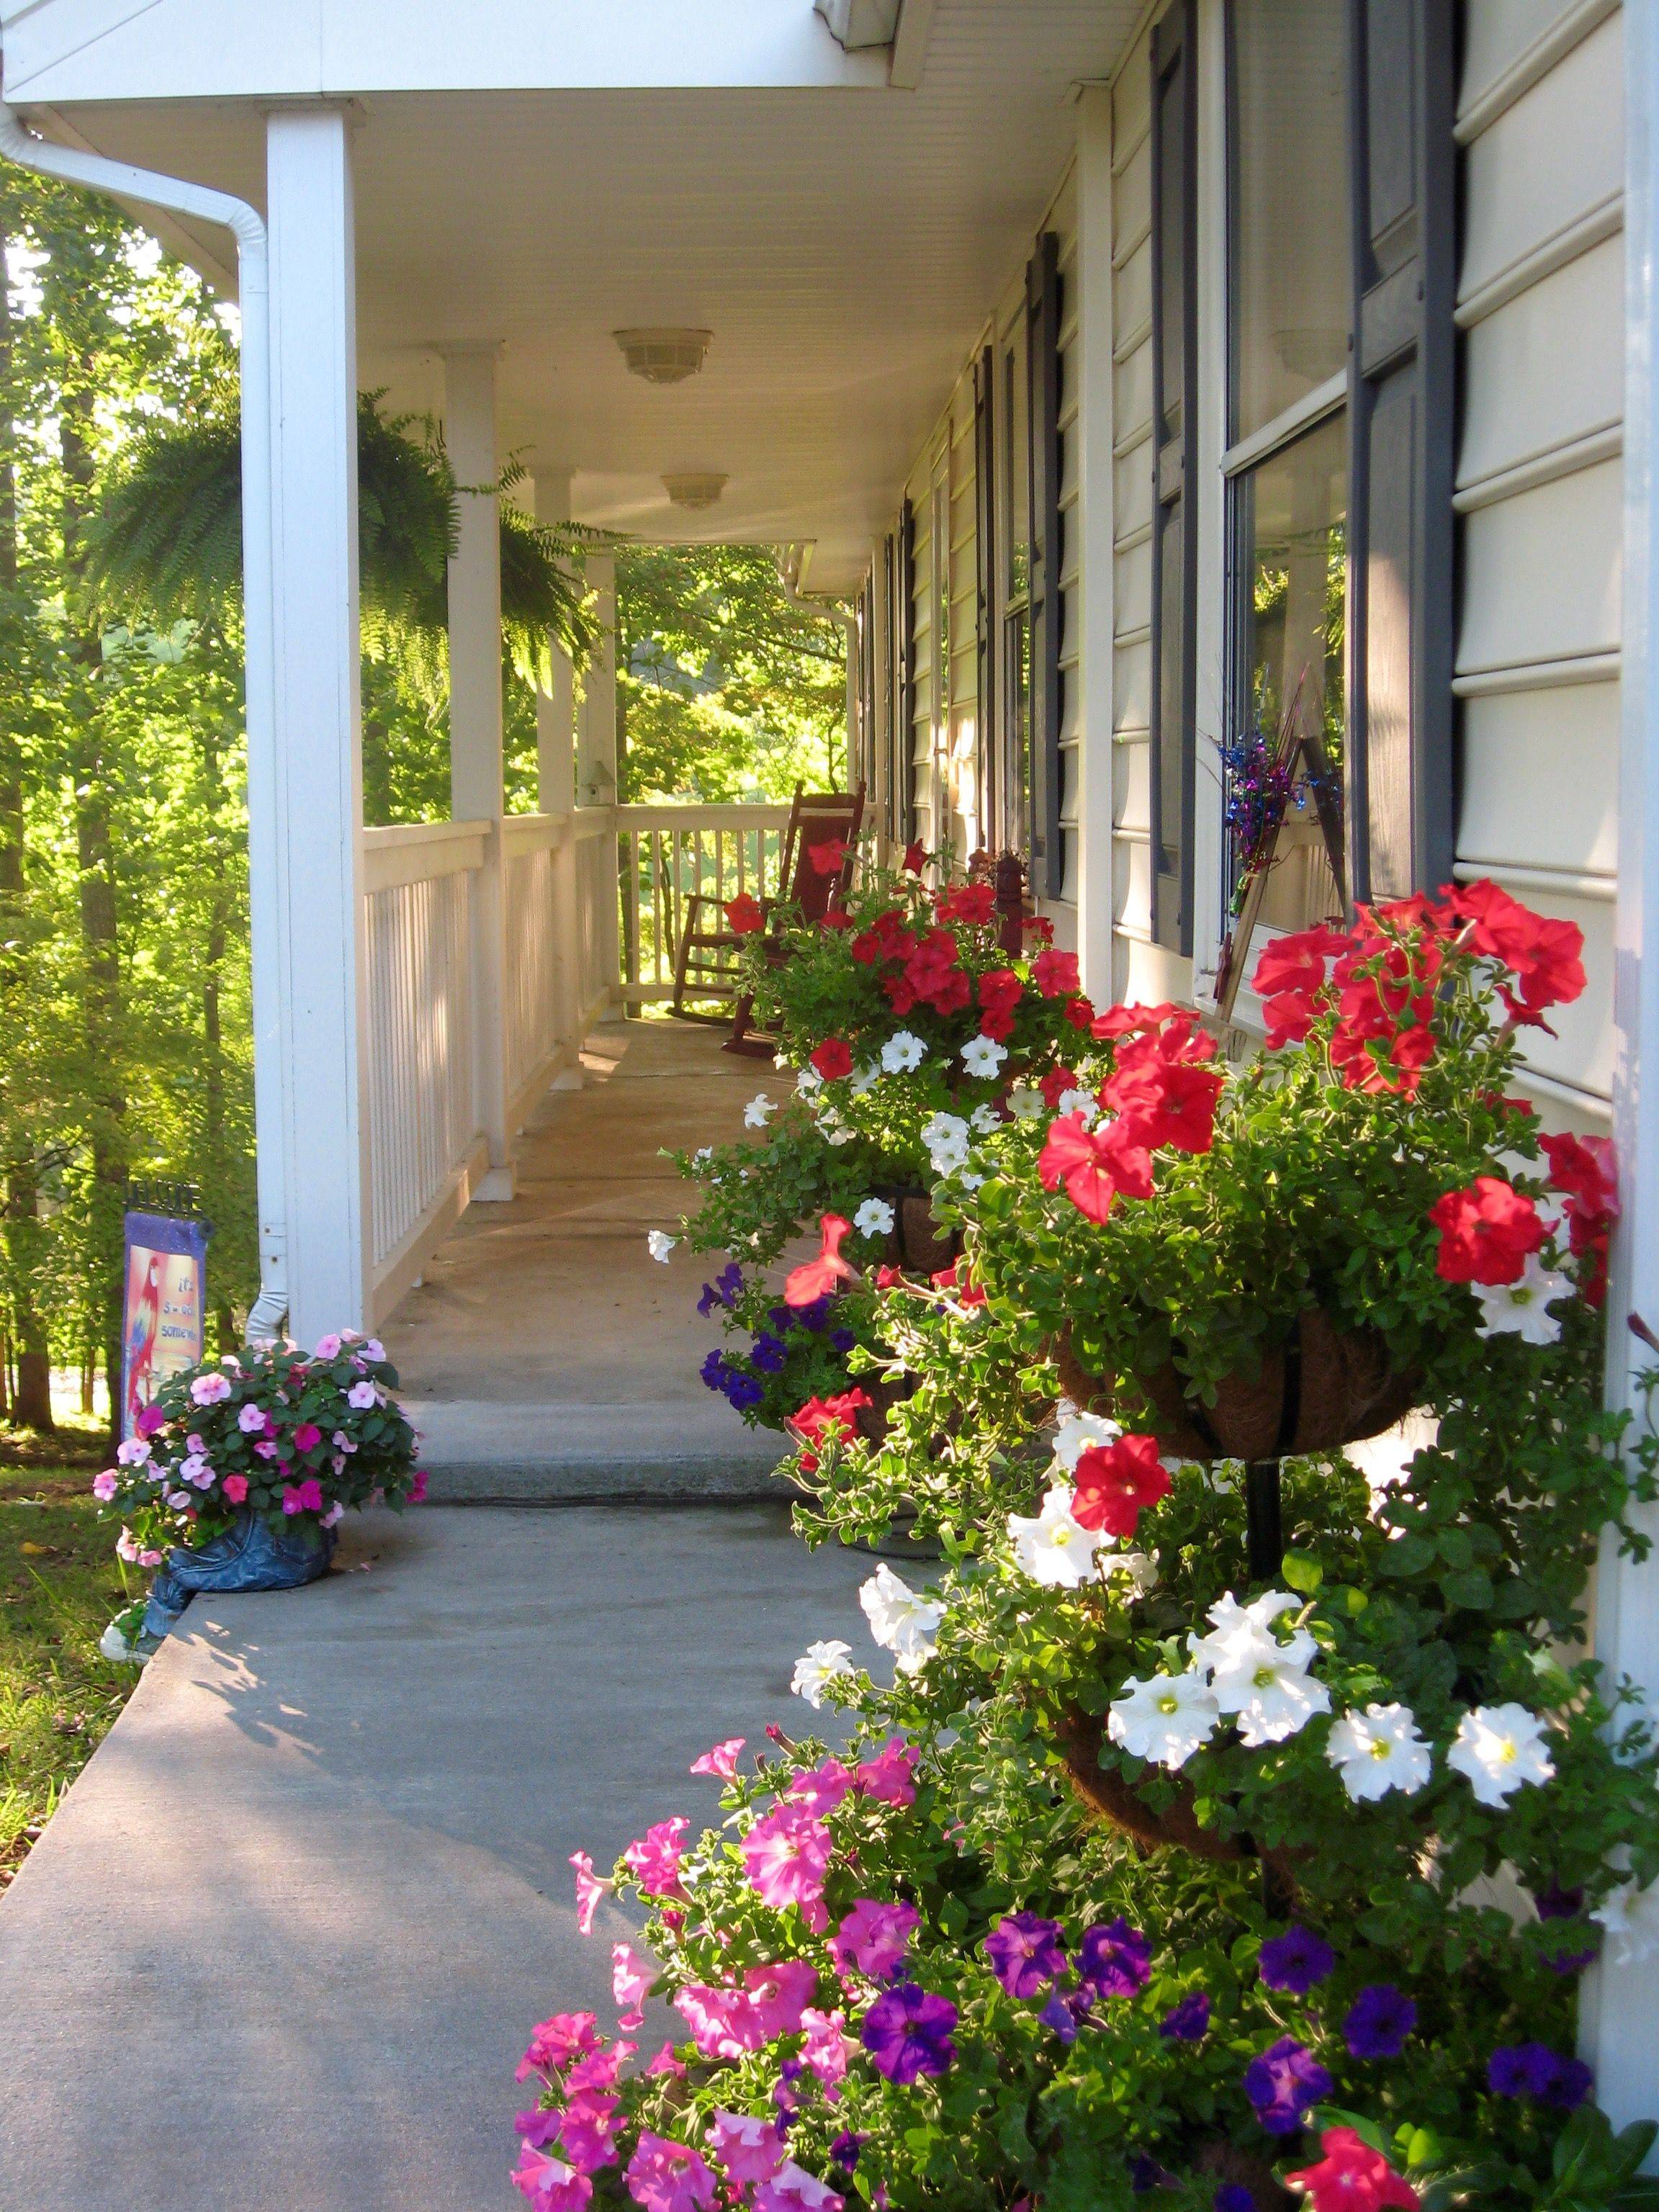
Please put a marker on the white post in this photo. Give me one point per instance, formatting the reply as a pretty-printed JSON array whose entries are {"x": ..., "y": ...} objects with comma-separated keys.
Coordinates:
[
  {"x": 596, "y": 741},
  {"x": 556, "y": 776},
  {"x": 1096, "y": 761},
  {"x": 1620, "y": 2027},
  {"x": 313, "y": 359},
  {"x": 475, "y": 730}
]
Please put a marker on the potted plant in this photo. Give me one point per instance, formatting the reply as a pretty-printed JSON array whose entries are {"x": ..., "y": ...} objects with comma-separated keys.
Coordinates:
[{"x": 243, "y": 1468}]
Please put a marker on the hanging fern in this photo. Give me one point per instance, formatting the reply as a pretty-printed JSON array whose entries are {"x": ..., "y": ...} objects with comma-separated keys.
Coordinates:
[{"x": 168, "y": 535}]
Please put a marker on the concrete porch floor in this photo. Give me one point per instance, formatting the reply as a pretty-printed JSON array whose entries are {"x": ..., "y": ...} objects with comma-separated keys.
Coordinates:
[
  {"x": 547, "y": 1356},
  {"x": 281, "y": 1946}
]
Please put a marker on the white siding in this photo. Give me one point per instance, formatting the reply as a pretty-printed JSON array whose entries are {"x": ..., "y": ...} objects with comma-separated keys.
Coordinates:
[{"x": 1540, "y": 488}]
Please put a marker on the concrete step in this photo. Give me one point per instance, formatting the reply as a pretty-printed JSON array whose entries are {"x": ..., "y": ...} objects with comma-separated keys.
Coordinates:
[{"x": 560, "y": 1452}]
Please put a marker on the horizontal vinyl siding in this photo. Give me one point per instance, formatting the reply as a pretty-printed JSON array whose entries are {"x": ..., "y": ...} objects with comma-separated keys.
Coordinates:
[{"x": 1540, "y": 485}]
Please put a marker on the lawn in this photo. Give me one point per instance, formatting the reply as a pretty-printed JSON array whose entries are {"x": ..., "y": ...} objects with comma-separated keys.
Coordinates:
[{"x": 60, "y": 1584}]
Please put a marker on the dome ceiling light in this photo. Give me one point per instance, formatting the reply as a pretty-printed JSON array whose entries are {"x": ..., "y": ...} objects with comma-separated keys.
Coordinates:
[
  {"x": 696, "y": 489},
  {"x": 663, "y": 356}
]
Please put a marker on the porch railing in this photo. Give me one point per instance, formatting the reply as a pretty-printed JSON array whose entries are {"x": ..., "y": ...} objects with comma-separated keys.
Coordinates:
[{"x": 669, "y": 852}]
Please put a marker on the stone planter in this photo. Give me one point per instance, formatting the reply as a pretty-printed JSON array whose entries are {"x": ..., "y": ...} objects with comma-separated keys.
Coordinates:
[
  {"x": 250, "y": 1555},
  {"x": 1321, "y": 1387}
]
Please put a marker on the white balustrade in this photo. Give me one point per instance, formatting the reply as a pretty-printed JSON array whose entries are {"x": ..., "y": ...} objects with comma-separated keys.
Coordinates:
[{"x": 670, "y": 853}]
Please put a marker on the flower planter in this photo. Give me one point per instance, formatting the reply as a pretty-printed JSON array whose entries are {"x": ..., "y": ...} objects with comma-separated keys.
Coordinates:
[
  {"x": 251, "y": 1555},
  {"x": 1321, "y": 1388},
  {"x": 916, "y": 1243}
]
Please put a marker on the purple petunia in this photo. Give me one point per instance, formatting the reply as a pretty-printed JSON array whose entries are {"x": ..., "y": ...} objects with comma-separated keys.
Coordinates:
[
  {"x": 1558, "y": 1904},
  {"x": 1061, "y": 2014},
  {"x": 1233, "y": 2196},
  {"x": 1378, "y": 2022},
  {"x": 1115, "y": 1961},
  {"x": 844, "y": 2151},
  {"x": 843, "y": 1339},
  {"x": 1146, "y": 2173},
  {"x": 1187, "y": 2022},
  {"x": 1296, "y": 1961},
  {"x": 907, "y": 2032},
  {"x": 1283, "y": 2083},
  {"x": 1533, "y": 2069},
  {"x": 768, "y": 1353},
  {"x": 1025, "y": 1951},
  {"x": 722, "y": 1291}
]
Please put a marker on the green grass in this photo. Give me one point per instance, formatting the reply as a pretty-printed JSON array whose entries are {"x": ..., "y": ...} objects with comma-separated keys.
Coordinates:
[{"x": 60, "y": 1585}]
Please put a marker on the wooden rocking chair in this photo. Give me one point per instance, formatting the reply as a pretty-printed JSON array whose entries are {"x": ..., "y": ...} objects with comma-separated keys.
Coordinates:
[{"x": 709, "y": 947}]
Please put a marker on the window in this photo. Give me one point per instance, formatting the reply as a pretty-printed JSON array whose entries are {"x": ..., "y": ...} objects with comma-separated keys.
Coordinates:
[
  {"x": 1174, "y": 539},
  {"x": 1287, "y": 464}
]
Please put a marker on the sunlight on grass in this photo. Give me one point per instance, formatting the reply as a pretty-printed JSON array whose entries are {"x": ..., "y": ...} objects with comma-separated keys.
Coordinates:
[{"x": 60, "y": 1584}]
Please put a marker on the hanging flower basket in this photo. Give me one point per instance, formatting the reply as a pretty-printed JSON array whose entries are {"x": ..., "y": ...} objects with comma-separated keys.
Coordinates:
[
  {"x": 917, "y": 1243},
  {"x": 1321, "y": 1387}
]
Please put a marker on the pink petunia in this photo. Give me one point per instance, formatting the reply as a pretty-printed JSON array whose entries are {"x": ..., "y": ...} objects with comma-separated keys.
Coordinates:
[
  {"x": 780, "y": 1993},
  {"x": 335, "y": 1514},
  {"x": 417, "y": 1488},
  {"x": 328, "y": 1347},
  {"x": 873, "y": 1938},
  {"x": 589, "y": 1890},
  {"x": 252, "y": 1421},
  {"x": 749, "y": 2149},
  {"x": 599, "y": 2069},
  {"x": 722, "y": 1760},
  {"x": 133, "y": 1452},
  {"x": 822, "y": 1788},
  {"x": 827, "y": 2047},
  {"x": 786, "y": 1855},
  {"x": 665, "y": 2062},
  {"x": 549, "y": 2185},
  {"x": 654, "y": 1859},
  {"x": 235, "y": 1488},
  {"x": 306, "y": 1435},
  {"x": 587, "y": 2133},
  {"x": 151, "y": 1418},
  {"x": 209, "y": 1391},
  {"x": 665, "y": 2176},
  {"x": 890, "y": 1775},
  {"x": 631, "y": 1978},
  {"x": 103, "y": 1485},
  {"x": 556, "y": 2041},
  {"x": 792, "y": 2189},
  {"x": 361, "y": 1397}
]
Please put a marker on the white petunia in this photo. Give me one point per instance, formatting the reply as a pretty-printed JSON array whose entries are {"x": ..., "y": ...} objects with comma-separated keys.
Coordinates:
[
  {"x": 1377, "y": 1751},
  {"x": 865, "y": 1078},
  {"x": 1054, "y": 1547},
  {"x": 1263, "y": 1684},
  {"x": 758, "y": 1112},
  {"x": 831, "y": 1125},
  {"x": 874, "y": 1217},
  {"x": 984, "y": 1118},
  {"x": 809, "y": 1080},
  {"x": 1166, "y": 1719},
  {"x": 1076, "y": 1432},
  {"x": 818, "y": 1666},
  {"x": 701, "y": 1157},
  {"x": 983, "y": 1055},
  {"x": 1136, "y": 1567},
  {"x": 1026, "y": 1103},
  {"x": 901, "y": 1620},
  {"x": 1079, "y": 1102},
  {"x": 1497, "y": 1748},
  {"x": 946, "y": 1137},
  {"x": 969, "y": 1179},
  {"x": 1631, "y": 1916},
  {"x": 660, "y": 1244},
  {"x": 1522, "y": 1308},
  {"x": 903, "y": 1052}
]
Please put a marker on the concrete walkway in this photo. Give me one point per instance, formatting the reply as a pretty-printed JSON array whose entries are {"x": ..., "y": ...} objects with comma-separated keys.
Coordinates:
[
  {"x": 280, "y": 1947},
  {"x": 547, "y": 1356}
]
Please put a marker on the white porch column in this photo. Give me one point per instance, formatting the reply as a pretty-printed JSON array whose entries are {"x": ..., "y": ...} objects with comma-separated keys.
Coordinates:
[
  {"x": 475, "y": 730},
  {"x": 1620, "y": 2027},
  {"x": 313, "y": 359},
  {"x": 555, "y": 706},
  {"x": 596, "y": 722},
  {"x": 1096, "y": 757}
]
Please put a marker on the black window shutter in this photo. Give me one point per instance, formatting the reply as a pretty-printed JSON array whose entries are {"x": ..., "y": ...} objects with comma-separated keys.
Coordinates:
[
  {"x": 1402, "y": 420},
  {"x": 990, "y": 798},
  {"x": 888, "y": 787},
  {"x": 1047, "y": 563},
  {"x": 1174, "y": 534},
  {"x": 904, "y": 634}
]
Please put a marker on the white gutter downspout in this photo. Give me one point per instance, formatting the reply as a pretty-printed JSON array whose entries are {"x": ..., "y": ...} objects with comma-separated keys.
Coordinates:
[
  {"x": 810, "y": 604},
  {"x": 123, "y": 181}
]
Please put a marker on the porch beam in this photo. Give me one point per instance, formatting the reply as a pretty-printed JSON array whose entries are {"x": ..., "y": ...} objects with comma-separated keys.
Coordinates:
[
  {"x": 475, "y": 792},
  {"x": 319, "y": 795}
]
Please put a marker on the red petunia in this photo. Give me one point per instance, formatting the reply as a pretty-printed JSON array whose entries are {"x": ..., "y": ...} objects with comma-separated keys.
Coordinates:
[
  {"x": 1585, "y": 1169},
  {"x": 815, "y": 1279},
  {"x": 836, "y": 917},
  {"x": 1296, "y": 963},
  {"x": 1040, "y": 927},
  {"x": 1174, "y": 1102},
  {"x": 886, "y": 938},
  {"x": 999, "y": 995},
  {"x": 1055, "y": 1083},
  {"x": 887, "y": 1277},
  {"x": 831, "y": 856},
  {"x": 1351, "y": 2177},
  {"x": 1545, "y": 954},
  {"x": 820, "y": 1418},
  {"x": 1092, "y": 1168},
  {"x": 1289, "y": 1018},
  {"x": 972, "y": 904},
  {"x": 833, "y": 1058},
  {"x": 1488, "y": 1232},
  {"x": 744, "y": 915},
  {"x": 1080, "y": 1011},
  {"x": 1115, "y": 1482},
  {"x": 915, "y": 857},
  {"x": 949, "y": 1279},
  {"x": 1054, "y": 973},
  {"x": 1130, "y": 1021}
]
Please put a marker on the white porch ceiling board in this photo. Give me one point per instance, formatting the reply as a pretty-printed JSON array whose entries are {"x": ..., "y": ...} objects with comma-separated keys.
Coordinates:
[{"x": 844, "y": 247}]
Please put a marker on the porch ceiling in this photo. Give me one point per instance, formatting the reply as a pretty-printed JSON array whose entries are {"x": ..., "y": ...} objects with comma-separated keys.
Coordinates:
[{"x": 843, "y": 243}]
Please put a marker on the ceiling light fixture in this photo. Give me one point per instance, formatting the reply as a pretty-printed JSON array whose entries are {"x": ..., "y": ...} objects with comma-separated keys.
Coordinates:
[
  {"x": 663, "y": 356},
  {"x": 696, "y": 489}
]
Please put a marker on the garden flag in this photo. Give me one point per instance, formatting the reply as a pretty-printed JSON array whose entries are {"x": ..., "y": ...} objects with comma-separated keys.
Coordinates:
[{"x": 163, "y": 1306}]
